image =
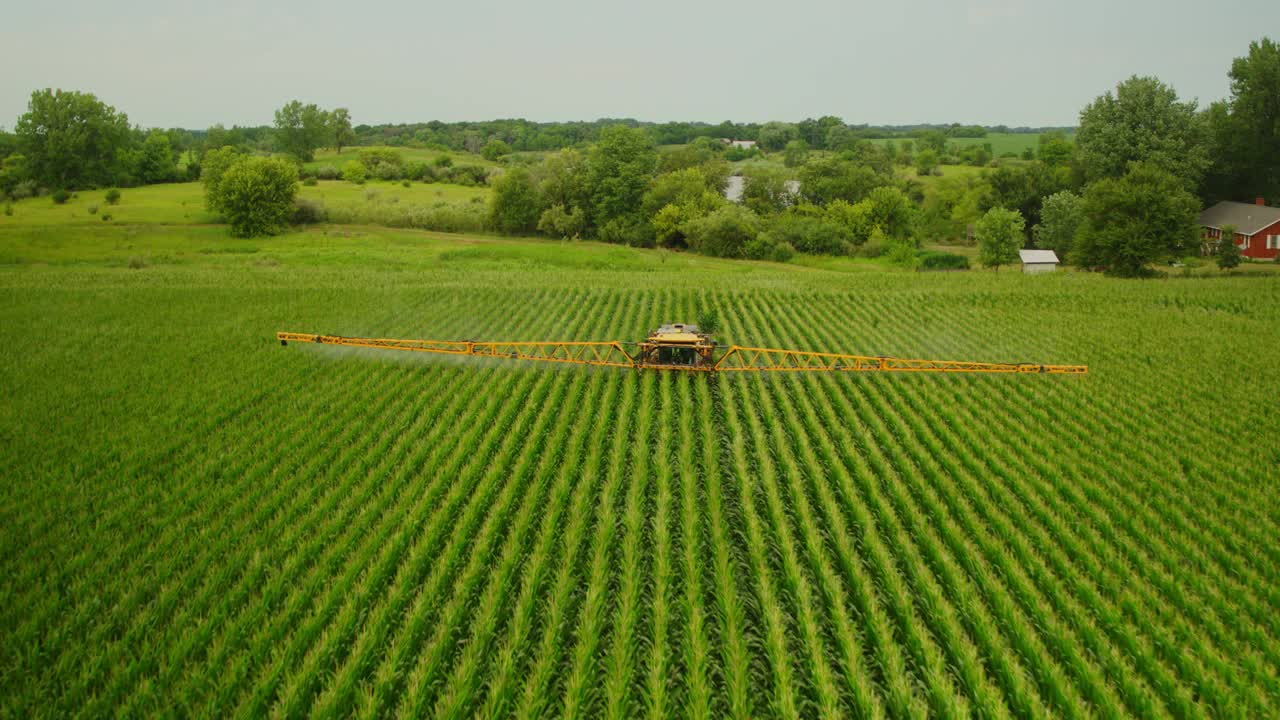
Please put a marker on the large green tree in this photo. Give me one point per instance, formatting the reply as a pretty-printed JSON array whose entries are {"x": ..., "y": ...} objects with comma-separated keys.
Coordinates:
[
  {"x": 515, "y": 205},
  {"x": 839, "y": 178},
  {"x": 1143, "y": 121},
  {"x": 1061, "y": 216},
  {"x": 301, "y": 129},
  {"x": 1023, "y": 188},
  {"x": 1131, "y": 221},
  {"x": 340, "y": 130},
  {"x": 1246, "y": 129},
  {"x": 72, "y": 139},
  {"x": 619, "y": 168},
  {"x": 999, "y": 235}
]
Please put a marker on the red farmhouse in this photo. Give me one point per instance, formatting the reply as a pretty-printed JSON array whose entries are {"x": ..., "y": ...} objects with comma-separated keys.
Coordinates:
[{"x": 1257, "y": 227}]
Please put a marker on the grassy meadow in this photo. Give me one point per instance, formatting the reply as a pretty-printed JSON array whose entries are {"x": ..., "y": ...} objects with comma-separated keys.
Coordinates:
[{"x": 199, "y": 522}]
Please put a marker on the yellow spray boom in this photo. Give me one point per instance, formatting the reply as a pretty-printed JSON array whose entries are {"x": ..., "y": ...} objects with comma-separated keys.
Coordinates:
[{"x": 679, "y": 347}]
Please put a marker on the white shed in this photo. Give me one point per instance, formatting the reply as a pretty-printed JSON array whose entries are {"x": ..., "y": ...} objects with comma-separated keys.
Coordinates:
[{"x": 1038, "y": 261}]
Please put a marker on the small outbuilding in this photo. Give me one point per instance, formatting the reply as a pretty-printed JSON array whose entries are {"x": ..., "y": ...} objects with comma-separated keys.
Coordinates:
[{"x": 1038, "y": 261}]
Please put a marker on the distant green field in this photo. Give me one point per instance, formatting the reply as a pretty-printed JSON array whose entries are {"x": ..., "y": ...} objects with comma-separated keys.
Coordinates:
[
  {"x": 183, "y": 203},
  {"x": 329, "y": 157},
  {"x": 1001, "y": 143}
]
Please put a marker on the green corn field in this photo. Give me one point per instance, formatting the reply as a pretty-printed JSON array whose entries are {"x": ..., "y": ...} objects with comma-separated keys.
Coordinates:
[{"x": 197, "y": 522}]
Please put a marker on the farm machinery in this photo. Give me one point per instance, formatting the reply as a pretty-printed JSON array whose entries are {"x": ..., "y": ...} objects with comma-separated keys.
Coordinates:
[{"x": 680, "y": 347}]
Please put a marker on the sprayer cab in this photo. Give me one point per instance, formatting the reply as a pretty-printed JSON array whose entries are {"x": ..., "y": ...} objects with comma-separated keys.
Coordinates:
[{"x": 678, "y": 346}]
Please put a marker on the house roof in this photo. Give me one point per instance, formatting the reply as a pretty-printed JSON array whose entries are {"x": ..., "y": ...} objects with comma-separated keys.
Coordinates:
[
  {"x": 1247, "y": 218},
  {"x": 1032, "y": 257}
]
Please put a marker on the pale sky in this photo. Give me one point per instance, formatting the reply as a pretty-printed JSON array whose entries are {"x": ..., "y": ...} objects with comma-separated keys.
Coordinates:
[{"x": 1015, "y": 62}]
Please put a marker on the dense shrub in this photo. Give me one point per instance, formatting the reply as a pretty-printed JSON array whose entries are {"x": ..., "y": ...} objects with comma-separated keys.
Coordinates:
[
  {"x": 767, "y": 247},
  {"x": 494, "y": 149},
  {"x": 811, "y": 234},
  {"x": 936, "y": 260},
  {"x": 23, "y": 190},
  {"x": 469, "y": 175},
  {"x": 558, "y": 222},
  {"x": 388, "y": 172},
  {"x": 374, "y": 159},
  {"x": 419, "y": 172},
  {"x": 724, "y": 233},
  {"x": 310, "y": 182},
  {"x": 328, "y": 172},
  {"x": 113, "y": 196},
  {"x": 93, "y": 209},
  {"x": 8, "y": 209},
  {"x": 308, "y": 212},
  {"x": 627, "y": 231},
  {"x": 60, "y": 196},
  {"x": 354, "y": 172},
  {"x": 255, "y": 195}
]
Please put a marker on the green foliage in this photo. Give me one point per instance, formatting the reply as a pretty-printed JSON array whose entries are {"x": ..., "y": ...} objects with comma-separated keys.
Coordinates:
[
  {"x": 1055, "y": 149},
  {"x": 766, "y": 246},
  {"x": 8, "y": 209},
  {"x": 302, "y": 129},
  {"x": 1245, "y": 129},
  {"x": 937, "y": 260},
  {"x": 494, "y": 149},
  {"x": 255, "y": 195},
  {"x": 340, "y": 130},
  {"x": 934, "y": 140},
  {"x": 374, "y": 159},
  {"x": 765, "y": 190},
  {"x": 515, "y": 206},
  {"x": 689, "y": 186},
  {"x": 796, "y": 153},
  {"x": 927, "y": 163},
  {"x": 1142, "y": 122},
  {"x": 620, "y": 167},
  {"x": 1000, "y": 236},
  {"x": 216, "y": 162},
  {"x": 703, "y": 150},
  {"x": 355, "y": 172},
  {"x": 774, "y": 136},
  {"x": 841, "y": 178},
  {"x": 629, "y": 230},
  {"x": 308, "y": 212},
  {"x": 113, "y": 196},
  {"x": 809, "y": 230},
  {"x": 901, "y": 253},
  {"x": 60, "y": 196},
  {"x": 1023, "y": 188},
  {"x": 724, "y": 232},
  {"x": 1228, "y": 252},
  {"x": 155, "y": 162},
  {"x": 92, "y": 209},
  {"x": 1060, "y": 219},
  {"x": 1139, "y": 218},
  {"x": 72, "y": 140},
  {"x": 556, "y": 221}
]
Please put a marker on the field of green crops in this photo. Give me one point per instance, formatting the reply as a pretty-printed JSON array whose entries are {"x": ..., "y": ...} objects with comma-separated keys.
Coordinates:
[{"x": 195, "y": 521}]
